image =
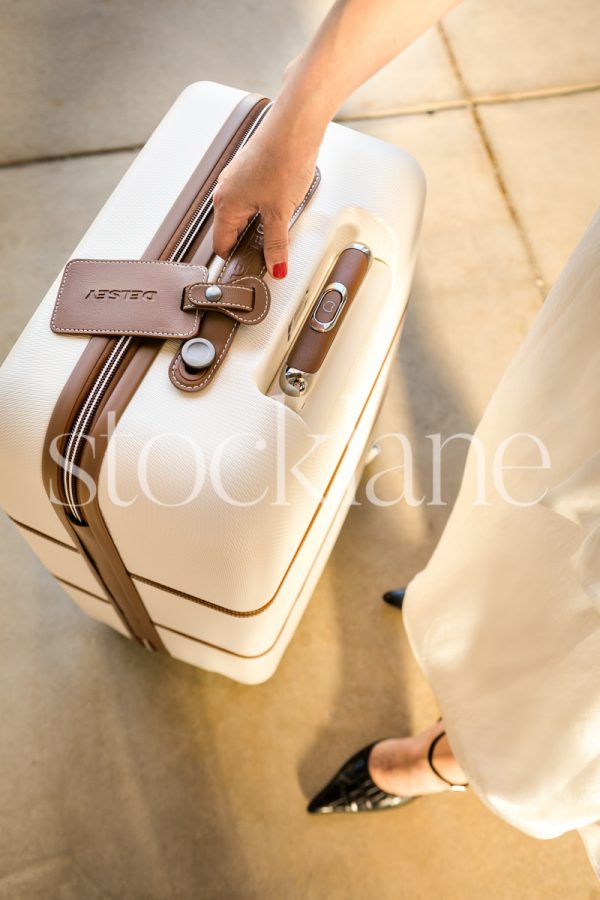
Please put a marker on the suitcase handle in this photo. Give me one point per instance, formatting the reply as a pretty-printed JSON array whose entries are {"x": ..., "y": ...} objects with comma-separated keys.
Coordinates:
[{"x": 318, "y": 333}]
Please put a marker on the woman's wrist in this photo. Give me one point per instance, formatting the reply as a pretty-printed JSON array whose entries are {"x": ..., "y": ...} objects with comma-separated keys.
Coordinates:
[
  {"x": 301, "y": 111},
  {"x": 296, "y": 123}
]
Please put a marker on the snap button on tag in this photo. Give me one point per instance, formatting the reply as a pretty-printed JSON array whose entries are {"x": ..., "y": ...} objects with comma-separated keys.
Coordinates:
[
  {"x": 213, "y": 292},
  {"x": 199, "y": 353}
]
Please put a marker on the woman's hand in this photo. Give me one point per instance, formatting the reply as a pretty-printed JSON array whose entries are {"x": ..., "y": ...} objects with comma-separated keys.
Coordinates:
[
  {"x": 273, "y": 172},
  {"x": 271, "y": 176}
]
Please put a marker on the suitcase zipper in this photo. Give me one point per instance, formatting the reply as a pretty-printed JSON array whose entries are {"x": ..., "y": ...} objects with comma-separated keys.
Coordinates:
[
  {"x": 87, "y": 410},
  {"x": 204, "y": 209}
]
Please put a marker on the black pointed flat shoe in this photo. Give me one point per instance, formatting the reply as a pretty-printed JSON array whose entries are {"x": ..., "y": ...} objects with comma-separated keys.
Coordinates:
[
  {"x": 395, "y": 597},
  {"x": 353, "y": 790}
]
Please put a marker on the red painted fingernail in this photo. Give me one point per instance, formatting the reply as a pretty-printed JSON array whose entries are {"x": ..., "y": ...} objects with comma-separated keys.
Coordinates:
[{"x": 280, "y": 270}]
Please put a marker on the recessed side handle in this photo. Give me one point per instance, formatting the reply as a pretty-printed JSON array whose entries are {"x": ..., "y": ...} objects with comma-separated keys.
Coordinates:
[{"x": 324, "y": 320}]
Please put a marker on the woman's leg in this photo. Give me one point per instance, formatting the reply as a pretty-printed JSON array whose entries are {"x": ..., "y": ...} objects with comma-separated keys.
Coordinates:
[{"x": 400, "y": 765}]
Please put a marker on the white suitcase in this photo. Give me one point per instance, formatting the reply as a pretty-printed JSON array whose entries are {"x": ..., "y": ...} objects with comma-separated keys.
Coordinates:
[{"x": 192, "y": 503}]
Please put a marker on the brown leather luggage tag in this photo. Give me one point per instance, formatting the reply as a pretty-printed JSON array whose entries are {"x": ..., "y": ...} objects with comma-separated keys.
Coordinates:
[
  {"x": 148, "y": 298},
  {"x": 123, "y": 296}
]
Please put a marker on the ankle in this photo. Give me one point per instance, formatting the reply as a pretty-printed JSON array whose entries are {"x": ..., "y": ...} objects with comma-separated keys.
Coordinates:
[{"x": 444, "y": 763}]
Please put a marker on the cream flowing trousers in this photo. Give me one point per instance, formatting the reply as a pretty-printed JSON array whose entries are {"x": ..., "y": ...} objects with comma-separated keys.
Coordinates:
[{"x": 505, "y": 619}]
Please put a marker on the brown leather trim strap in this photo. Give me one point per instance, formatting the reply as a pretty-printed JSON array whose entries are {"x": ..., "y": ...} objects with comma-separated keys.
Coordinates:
[
  {"x": 94, "y": 540},
  {"x": 246, "y": 260}
]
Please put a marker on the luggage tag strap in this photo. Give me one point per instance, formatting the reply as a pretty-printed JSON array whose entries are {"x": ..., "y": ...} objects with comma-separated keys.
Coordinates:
[
  {"x": 246, "y": 299},
  {"x": 196, "y": 363}
]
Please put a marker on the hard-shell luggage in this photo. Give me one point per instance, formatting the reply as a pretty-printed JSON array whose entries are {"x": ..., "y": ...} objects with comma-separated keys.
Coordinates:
[{"x": 180, "y": 435}]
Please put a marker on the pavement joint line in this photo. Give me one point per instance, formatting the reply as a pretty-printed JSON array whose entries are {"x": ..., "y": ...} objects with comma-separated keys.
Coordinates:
[
  {"x": 473, "y": 108},
  {"x": 468, "y": 101},
  {"x": 63, "y": 157}
]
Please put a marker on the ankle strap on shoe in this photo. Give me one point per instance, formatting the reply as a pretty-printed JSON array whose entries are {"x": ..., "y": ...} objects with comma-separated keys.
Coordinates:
[{"x": 453, "y": 786}]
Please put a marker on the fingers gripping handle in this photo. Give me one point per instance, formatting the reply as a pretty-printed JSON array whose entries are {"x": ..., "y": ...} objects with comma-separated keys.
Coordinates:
[{"x": 324, "y": 321}]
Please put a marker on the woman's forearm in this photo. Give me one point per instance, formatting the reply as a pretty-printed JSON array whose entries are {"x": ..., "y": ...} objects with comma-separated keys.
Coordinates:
[
  {"x": 355, "y": 40},
  {"x": 272, "y": 173}
]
